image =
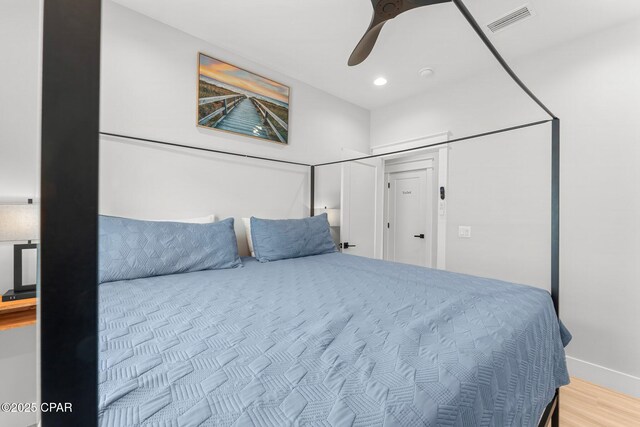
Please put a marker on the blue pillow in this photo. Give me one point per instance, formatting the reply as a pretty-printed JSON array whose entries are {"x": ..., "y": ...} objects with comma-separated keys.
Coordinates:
[
  {"x": 132, "y": 249},
  {"x": 275, "y": 239}
]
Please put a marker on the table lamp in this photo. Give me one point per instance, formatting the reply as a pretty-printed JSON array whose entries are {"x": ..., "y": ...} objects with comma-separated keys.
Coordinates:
[
  {"x": 333, "y": 216},
  {"x": 21, "y": 223}
]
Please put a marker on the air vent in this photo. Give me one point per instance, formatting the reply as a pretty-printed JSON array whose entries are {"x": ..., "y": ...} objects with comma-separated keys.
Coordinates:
[{"x": 509, "y": 19}]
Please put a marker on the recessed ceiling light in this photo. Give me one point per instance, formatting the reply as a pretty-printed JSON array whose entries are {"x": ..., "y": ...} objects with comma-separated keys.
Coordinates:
[
  {"x": 380, "y": 81},
  {"x": 425, "y": 72}
]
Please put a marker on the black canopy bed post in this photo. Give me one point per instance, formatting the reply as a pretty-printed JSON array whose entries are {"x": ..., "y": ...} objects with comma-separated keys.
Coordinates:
[
  {"x": 553, "y": 409},
  {"x": 555, "y": 243},
  {"x": 555, "y": 213},
  {"x": 312, "y": 190},
  {"x": 68, "y": 289}
]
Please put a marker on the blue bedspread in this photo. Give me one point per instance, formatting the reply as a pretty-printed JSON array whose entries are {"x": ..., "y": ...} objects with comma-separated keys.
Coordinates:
[{"x": 327, "y": 340}]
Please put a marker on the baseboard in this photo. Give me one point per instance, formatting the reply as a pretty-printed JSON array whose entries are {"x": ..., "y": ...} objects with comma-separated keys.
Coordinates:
[{"x": 605, "y": 377}]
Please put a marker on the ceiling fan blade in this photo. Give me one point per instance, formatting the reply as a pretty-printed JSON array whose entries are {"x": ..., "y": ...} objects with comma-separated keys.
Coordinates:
[
  {"x": 383, "y": 11},
  {"x": 366, "y": 44}
]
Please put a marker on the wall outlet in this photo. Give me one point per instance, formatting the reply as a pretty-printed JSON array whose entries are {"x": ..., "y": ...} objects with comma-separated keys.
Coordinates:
[{"x": 464, "y": 232}]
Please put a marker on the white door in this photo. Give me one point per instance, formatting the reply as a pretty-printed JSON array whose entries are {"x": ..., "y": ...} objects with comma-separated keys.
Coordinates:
[
  {"x": 410, "y": 217},
  {"x": 361, "y": 208}
]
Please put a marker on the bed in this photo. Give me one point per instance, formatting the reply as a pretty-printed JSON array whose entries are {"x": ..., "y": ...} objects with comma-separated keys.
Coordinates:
[{"x": 325, "y": 340}]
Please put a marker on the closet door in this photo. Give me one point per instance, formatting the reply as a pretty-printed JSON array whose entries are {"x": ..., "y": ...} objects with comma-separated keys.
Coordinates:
[{"x": 361, "y": 208}]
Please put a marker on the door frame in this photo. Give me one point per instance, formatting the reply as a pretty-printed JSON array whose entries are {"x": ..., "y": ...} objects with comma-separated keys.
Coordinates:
[{"x": 438, "y": 160}]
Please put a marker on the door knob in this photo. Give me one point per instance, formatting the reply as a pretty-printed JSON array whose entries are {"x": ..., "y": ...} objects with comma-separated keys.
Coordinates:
[
  {"x": 347, "y": 245},
  {"x": 419, "y": 235}
]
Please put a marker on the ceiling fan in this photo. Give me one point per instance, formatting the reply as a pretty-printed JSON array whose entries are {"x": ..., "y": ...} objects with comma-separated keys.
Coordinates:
[{"x": 383, "y": 11}]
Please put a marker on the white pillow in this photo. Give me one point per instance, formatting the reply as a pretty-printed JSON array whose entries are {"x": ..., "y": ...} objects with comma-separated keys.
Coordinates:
[
  {"x": 199, "y": 220},
  {"x": 247, "y": 230}
]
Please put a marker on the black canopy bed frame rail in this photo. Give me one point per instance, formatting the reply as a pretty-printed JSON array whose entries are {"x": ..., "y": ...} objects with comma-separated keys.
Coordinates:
[{"x": 69, "y": 177}]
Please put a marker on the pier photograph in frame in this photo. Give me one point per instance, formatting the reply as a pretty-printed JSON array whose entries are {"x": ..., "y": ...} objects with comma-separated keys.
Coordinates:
[{"x": 235, "y": 100}]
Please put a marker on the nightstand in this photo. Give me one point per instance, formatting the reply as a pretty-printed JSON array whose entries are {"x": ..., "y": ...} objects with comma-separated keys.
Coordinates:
[{"x": 15, "y": 314}]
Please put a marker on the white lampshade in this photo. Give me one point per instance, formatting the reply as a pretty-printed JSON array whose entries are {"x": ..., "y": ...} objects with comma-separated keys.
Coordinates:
[
  {"x": 333, "y": 216},
  {"x": 19, "y": 222}
]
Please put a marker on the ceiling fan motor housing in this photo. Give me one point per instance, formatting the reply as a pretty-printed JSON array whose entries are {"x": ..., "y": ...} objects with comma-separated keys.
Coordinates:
[{"x": 388, "y": 9}]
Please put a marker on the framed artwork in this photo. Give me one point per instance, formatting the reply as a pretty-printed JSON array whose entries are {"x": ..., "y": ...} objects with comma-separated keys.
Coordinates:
[{"x": 235, "y": 100}]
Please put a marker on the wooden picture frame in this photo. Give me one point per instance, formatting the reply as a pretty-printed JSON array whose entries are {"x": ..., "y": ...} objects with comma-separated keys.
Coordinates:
[{"x": 232, "y": 99}]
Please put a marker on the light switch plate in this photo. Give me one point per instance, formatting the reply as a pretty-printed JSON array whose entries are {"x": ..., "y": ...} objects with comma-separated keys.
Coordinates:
[
  {"x": 464, "y": 232},
  {"x": 442, "y": 207}
]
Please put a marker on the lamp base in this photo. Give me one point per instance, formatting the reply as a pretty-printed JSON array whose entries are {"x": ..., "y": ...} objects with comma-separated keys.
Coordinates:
[{"x": 11, "y": 295}]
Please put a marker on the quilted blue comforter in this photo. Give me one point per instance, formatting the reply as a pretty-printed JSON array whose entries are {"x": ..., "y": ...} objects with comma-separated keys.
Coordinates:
[{"x": 327, "y": 340}]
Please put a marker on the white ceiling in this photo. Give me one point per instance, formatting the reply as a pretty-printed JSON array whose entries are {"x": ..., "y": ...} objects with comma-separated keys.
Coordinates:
[{"x": 311, "y": 40}]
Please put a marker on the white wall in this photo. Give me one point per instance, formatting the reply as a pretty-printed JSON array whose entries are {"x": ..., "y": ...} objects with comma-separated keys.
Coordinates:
[
  {"x": 499, "y": 186},
  {"x": 592, "y": 85},
  {"x": 19, "y": 180},
  {"x": 148, "y": 89}
]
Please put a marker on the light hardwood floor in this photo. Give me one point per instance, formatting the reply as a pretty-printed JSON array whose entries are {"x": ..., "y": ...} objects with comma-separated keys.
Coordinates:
[{"x": 583, "y": 404}]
